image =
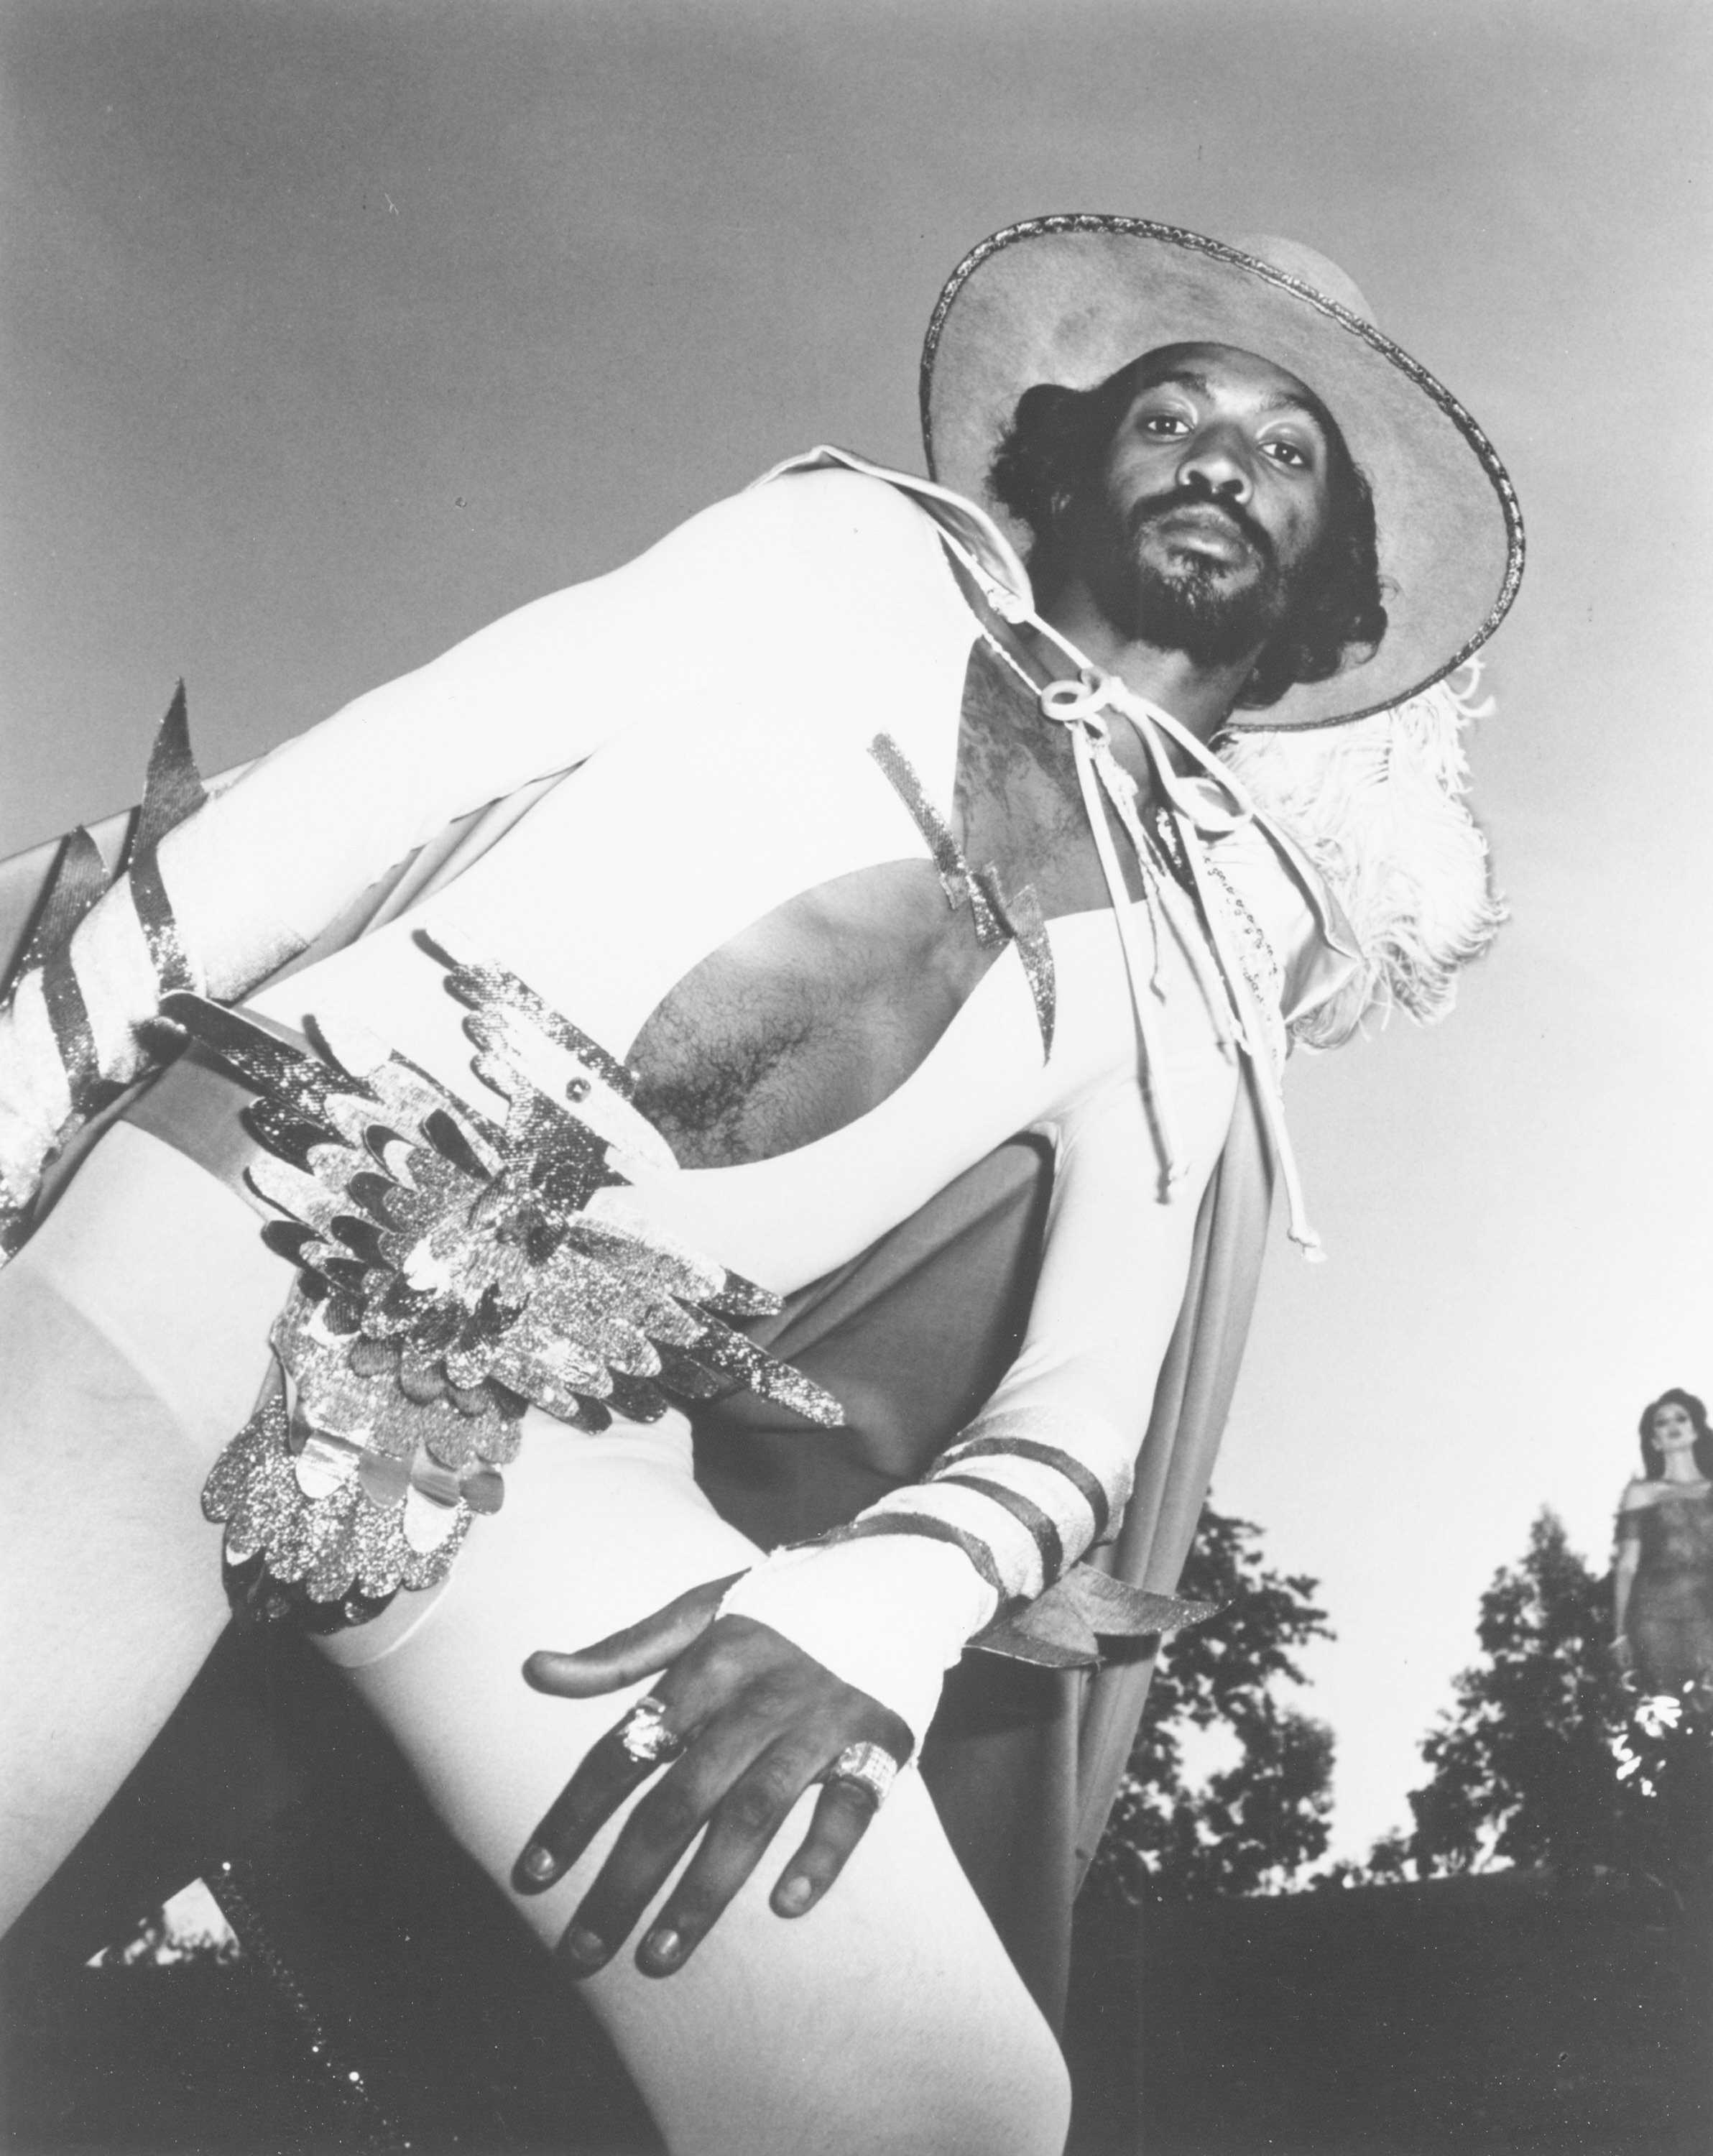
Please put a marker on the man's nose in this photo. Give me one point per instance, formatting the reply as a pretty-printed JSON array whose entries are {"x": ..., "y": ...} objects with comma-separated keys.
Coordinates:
[{"x": 1215, "y": 462}]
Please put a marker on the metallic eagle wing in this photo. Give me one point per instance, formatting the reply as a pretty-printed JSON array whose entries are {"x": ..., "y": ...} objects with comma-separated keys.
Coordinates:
[{"x": 450, "y": 1274}]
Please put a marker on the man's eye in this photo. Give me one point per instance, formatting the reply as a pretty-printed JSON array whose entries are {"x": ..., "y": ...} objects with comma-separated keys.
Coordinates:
[
  {"x": 1164, "y": 423},
  {"x": 1287, "y": 453}
]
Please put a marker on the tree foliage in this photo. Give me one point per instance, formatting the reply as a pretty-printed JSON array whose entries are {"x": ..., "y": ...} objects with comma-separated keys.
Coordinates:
[
  {"x": 1250, "y": 1829},
  {"x": 1547, "y": 1758},
  {"x": 1522, "y": 1767}
]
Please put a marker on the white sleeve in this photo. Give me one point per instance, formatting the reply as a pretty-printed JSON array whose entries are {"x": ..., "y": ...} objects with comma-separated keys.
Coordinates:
[
  {"x": 259, "y": 869},
  {"x": 891, "y": 1609}
]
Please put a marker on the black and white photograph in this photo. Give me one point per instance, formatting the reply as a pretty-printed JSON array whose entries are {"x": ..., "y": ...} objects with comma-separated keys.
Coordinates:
[{"x": 856, "y": 1002}]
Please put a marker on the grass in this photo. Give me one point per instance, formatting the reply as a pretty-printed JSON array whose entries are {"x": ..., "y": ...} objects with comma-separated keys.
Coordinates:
[{"x": 1457, "y": 2018}]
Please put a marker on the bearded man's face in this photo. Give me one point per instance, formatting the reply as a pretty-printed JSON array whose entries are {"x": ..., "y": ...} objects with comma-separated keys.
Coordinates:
[{"x": 1210, "y": 505}]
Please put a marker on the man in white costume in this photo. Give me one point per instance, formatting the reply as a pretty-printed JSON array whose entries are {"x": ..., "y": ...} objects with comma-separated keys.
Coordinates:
[{"x": 873, "y": 860}]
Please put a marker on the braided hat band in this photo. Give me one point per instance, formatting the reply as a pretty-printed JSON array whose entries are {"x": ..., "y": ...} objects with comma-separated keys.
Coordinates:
[{"x": 1072, "y": 298}]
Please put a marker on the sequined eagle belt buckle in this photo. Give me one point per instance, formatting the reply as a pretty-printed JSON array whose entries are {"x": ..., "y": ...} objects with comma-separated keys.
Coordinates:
[{"x": 453, "y": 1271}]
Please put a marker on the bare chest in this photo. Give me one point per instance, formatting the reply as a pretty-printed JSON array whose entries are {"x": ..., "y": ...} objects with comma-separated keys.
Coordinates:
[{"x": 812, "y": 1016}]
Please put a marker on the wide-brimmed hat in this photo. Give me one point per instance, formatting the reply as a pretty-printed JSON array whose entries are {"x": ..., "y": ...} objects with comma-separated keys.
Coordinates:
[{"x": 1072, "y": 298}]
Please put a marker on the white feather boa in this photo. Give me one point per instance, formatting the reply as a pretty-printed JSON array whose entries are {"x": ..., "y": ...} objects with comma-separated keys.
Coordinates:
[{"x": 1378, "y": 804}]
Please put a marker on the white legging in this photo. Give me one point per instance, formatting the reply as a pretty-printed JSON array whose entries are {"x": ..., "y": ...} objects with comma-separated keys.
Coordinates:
[{"x": 131, "y": 1348}]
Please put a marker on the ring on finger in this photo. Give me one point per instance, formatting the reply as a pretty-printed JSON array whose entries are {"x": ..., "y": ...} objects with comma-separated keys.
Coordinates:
[
  {"x": 869, "y": 1768},
  {"x": 644, "y": 1736}
]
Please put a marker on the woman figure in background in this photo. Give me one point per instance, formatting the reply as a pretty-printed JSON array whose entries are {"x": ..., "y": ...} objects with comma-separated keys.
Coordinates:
[{"x": 1662, "y": 1586}]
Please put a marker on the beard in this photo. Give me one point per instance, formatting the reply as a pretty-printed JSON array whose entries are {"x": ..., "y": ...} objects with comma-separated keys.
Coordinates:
[{"x": 1188, "y": 603}]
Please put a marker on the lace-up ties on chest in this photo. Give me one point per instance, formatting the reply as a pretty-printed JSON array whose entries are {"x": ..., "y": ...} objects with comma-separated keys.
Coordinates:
[
  {"x": 993, "y": 581},
  {"x": 1216, "y": 805},
  {"x": 1024, "y": 1490}
]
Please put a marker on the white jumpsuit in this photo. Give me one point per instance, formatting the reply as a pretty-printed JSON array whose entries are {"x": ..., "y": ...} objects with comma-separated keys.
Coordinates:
[{"x": 719, "y": 697}]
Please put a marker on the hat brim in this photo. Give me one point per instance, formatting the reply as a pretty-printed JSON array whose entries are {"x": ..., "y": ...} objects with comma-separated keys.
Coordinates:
[{"x": 1072, "y": 298}]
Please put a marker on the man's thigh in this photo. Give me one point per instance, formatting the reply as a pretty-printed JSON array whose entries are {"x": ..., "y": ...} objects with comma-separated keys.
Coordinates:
[
  {"x": 889, "y": 2018},
  {"x": 133, "y": 1336}
]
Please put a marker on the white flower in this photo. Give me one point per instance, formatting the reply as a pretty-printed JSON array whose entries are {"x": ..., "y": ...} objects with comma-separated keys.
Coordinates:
[{"x": 1656, "y": 1715}]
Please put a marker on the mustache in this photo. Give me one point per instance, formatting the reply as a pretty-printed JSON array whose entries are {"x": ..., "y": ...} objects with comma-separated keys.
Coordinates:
[{"x": 1152, "y": 507}]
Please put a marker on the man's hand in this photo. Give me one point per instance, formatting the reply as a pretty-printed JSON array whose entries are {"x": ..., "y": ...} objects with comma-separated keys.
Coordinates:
[{"x": 760, "y": 1721}]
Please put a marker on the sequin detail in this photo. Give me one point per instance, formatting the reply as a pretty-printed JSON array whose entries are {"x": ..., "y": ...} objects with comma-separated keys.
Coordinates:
[
  {"x": 1021, "y": 912},
  {"x": 1063, "y": 1628},
  {"x": 80, "y": 878},
  {"x": 335, "y": 1534},
  {"x": 159, "y": 924},
  {"x": 69, "y": 1016},
  {"x": 173, "y": 788},
  {"x": 998, "y": 919},
  {"x": 450, "y": 1272},
  {"x": 485, "y": 986},
  {"x": 961, "y": 885}
]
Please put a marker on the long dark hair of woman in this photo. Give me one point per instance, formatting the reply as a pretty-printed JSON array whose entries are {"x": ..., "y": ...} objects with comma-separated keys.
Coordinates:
[{"x": 1653, "y": 1458}]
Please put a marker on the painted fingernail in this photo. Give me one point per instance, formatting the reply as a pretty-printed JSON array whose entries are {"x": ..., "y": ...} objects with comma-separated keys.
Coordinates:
[
  {"x": 664, "y": 1949},
  {"x": 585, "y": 1947},
  {"x": 794, "y": 1895},
  {"x": 537, "y": 1863}
]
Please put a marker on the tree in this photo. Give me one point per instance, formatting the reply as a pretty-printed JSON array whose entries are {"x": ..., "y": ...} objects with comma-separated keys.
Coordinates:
[
  {"x": 1523, "y": 1770},
  {"x": 1251, "y": 1829},
  {"x": 1547, "y": 1758}
]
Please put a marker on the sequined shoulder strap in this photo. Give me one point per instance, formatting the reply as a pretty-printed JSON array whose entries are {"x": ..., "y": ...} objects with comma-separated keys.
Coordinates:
[{"x": 1000, "y": 917}]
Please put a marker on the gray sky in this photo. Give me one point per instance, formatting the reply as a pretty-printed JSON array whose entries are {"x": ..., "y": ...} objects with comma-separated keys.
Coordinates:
[{"x": 327, "y": 333}]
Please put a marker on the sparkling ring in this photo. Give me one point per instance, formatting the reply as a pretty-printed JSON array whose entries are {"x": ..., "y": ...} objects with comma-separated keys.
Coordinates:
[
  {"x": 644, "y": 1734},
  {"x": 869, "y": 1768}
]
